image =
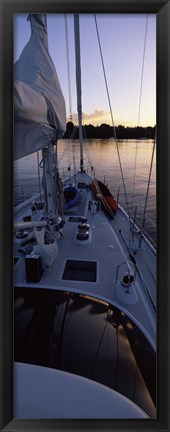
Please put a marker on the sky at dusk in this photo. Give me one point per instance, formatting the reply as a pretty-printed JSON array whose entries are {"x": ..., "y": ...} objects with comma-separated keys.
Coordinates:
[{"x": 122, "y": 38}]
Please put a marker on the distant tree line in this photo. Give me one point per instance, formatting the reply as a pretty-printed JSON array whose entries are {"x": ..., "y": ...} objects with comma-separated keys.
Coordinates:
[{"x": 106, "y": 131}]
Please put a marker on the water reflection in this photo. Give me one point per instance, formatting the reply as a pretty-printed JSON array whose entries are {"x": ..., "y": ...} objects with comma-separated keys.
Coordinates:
[
  {"x": 135, "y": 159},
  {"x": 79, "y": 335}
]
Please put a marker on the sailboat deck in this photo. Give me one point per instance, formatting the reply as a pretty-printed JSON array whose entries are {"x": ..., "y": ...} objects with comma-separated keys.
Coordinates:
[
  {"x": 105, "y": 248},
  {"x": 75, "y": 269}
]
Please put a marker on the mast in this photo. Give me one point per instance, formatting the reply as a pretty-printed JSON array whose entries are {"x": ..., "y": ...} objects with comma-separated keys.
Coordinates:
[
  {"x": 49, "y": 168},
  {"x": 78, "y": 84}
]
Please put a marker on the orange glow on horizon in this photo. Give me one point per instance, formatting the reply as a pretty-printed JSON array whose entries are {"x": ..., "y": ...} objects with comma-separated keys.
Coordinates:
[{"x": 100, "y": 117}]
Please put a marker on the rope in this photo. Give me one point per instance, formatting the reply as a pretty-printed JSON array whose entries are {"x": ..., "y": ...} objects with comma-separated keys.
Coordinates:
[
  {"x": 111, "y": 113},
  {"x": 140, "y": 99}
]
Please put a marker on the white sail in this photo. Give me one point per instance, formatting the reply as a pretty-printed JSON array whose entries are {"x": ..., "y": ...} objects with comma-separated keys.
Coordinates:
[{"x": 39, "y": 106}]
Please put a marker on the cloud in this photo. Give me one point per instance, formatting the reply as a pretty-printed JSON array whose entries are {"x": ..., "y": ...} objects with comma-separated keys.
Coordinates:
[{"x": 98, "y": 117}]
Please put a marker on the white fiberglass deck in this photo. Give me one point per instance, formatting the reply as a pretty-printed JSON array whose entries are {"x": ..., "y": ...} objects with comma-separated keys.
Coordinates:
[{"x": 106, "y": 247}]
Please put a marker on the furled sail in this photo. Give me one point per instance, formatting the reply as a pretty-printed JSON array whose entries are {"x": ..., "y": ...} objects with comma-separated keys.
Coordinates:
[{"x": 39, "y": 106}]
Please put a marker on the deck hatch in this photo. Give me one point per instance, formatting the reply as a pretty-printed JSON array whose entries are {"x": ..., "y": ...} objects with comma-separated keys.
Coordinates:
[
  {"x": 82, "y": 185},
  {"x": 77, "y": 270},
  {"x": 76, "y": 219}
]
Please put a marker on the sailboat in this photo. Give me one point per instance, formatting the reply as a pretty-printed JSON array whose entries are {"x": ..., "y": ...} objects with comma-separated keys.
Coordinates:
[{"x": 84, "y": 282}]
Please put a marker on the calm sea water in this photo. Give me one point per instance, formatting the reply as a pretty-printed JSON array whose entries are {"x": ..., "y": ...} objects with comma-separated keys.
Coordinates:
[{"x": 102, "y": 155}]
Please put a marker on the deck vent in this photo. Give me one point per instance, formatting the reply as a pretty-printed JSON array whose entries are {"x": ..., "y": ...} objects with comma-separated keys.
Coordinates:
[{"x": 84, "y": 271}]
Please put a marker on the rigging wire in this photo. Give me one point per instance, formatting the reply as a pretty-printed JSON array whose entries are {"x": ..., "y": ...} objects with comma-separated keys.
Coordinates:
[
  {"x": 111, "y": 113},
  {"x": 48, "y": 168},
  {"x": 58, "y": 185},
  {"x": 68, "y": 65},
  {"x": 87, "y": 150},
  {"x": 147, "y": 192},
  {"x": 98, "y": 350},
  {"x": 139, "y": 110},
  {"x": 39, "y": 177},
  {"x": 61, "y": 334}
]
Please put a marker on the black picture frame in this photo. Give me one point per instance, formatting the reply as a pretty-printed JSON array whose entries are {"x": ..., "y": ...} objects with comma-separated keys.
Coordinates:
[{"x": 7, "y": 9}]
